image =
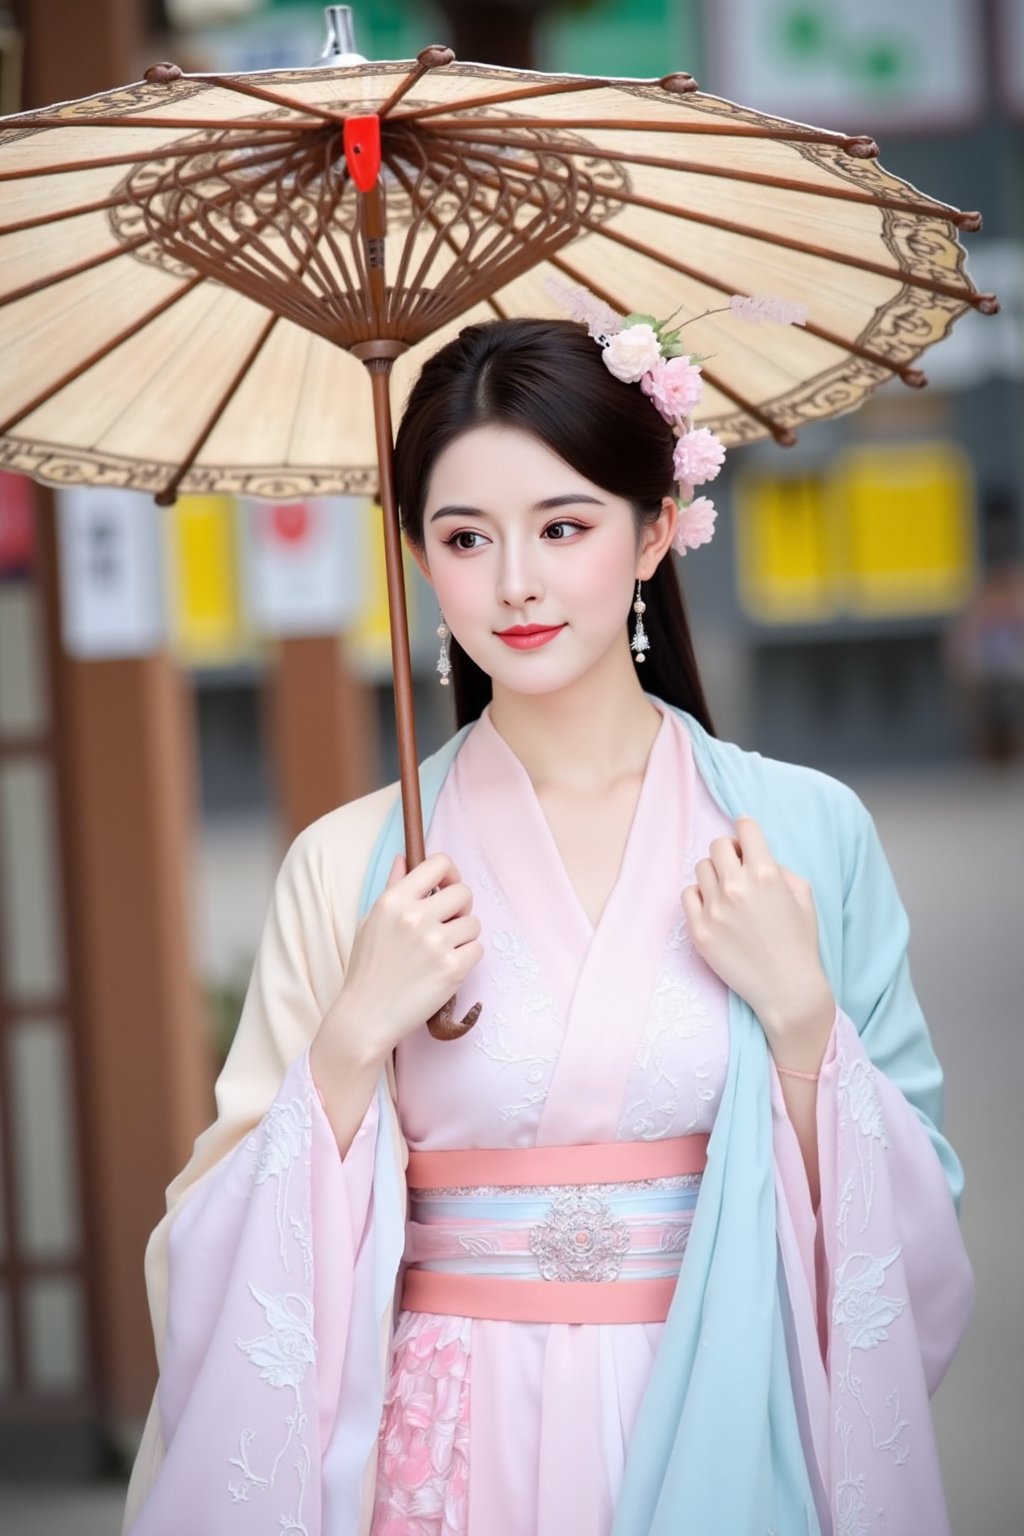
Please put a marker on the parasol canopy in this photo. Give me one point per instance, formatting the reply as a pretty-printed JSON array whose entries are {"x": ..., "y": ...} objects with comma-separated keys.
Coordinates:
[
  {"x": 183, "y": 269},
  {"x": 196, "y": 268}
]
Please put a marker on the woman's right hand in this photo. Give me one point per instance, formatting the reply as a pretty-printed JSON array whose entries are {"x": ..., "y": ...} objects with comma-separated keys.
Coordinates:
[{"x": 414, "y": 947}]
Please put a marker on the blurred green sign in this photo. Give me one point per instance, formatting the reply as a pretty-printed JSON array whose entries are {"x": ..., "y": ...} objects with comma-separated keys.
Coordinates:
[{"x": 859, "y": 65}]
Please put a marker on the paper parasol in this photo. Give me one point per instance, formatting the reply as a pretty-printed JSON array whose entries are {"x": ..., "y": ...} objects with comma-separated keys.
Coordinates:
[{"x": 197, "y": 270}]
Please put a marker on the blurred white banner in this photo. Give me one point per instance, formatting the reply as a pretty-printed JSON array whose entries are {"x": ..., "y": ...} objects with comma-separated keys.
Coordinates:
[
  {"x": 111, "y": 584},
  {"x": 304, "y": 564}
]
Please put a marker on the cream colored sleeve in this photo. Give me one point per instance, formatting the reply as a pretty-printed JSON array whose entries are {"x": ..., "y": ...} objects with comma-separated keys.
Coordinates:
[{"x": 297, "y": 973}]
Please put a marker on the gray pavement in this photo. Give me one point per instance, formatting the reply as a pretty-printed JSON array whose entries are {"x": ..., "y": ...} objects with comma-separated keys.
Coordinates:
[{"x": 955, "y": 840}]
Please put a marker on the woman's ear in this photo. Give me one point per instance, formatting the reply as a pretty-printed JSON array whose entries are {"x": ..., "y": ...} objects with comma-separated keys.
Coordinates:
[{"x": 657, "y": 537}]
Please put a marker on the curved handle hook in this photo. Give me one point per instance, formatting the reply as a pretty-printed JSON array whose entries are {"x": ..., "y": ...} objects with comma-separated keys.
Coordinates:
[{"x": 443, "y": 1025}]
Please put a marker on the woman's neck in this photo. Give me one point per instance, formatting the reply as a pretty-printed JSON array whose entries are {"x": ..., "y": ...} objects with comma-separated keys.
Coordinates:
[{"x": 582, "y": 737}]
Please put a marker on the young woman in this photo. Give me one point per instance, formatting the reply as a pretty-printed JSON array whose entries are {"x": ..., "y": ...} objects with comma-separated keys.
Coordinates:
[{"x": 668, "y": 1241}]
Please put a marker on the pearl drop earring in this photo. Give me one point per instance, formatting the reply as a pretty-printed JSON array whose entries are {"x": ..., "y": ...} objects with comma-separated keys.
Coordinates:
[
  {"x": 639, "y": 642},
  {"x": 444, "y": 665}
]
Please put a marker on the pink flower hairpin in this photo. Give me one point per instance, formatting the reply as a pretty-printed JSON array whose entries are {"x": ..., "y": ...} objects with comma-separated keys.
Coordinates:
[{"x": 639, "y": 349}]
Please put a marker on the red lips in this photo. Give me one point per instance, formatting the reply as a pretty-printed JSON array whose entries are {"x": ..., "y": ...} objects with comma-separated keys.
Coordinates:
[
  {"x": 530, "y": 637},
  {"x": 528, "y": 629}
]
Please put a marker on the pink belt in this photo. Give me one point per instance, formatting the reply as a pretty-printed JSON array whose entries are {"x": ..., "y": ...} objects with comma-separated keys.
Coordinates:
[{"x": 582, "y": 1234}]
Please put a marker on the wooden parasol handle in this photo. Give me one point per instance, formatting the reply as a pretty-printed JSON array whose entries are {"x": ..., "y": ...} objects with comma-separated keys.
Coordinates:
[{"x": 378, "y": 357}]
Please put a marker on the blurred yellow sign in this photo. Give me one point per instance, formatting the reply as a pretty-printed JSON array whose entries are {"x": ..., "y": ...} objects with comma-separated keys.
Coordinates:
[
  {"x": 888, "y": 531},
  {"x": 908, "y": 523},
  {"x": 786, "y": 566},
  {"x": 205, "y": 607}
]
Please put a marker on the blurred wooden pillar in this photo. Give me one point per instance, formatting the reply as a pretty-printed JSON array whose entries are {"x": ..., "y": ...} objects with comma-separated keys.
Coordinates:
[
  {"x": 126, "y": 775},
  {"x": 322, "y": 727},
  {"x": 500, "y": 32},
  {"x": 126, "y": 770},
  {"x": 74, "y": 48}
]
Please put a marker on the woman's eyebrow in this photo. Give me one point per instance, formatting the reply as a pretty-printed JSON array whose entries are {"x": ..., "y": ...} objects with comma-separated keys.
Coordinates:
[{"x": 575, "y": 498}]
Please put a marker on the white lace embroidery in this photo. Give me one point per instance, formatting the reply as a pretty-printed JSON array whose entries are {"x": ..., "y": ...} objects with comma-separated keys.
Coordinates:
[
  {"x": 284, "y": 1354},
  {"x": 530, "y": 1042},
  {"x": 516, "y": 961},
  {"x": 861, "y": 1310},
  {"x": 703, "y": 1093},
  {"x": 486, "y": 881},
  {"x": 549, "y": 1191},
  {"x": 286, "y": 1130},
  {"x": 857, "y": 1306},
  {"x": 843, "y": 1210},
  {"x": 663, "y": 1067},
  {"x": 679, "y": 938},
  {"x": 858, "y": 1101}
]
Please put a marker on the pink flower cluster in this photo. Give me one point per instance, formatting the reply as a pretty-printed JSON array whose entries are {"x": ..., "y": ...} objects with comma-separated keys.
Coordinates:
[
  {"x": 640, "y": 349},
  {"x": 674, "y": 384},
  {"x": 634, "y": 354},
  {"x": 696, "y": 525},
  {"x": 698, "y": 457}
]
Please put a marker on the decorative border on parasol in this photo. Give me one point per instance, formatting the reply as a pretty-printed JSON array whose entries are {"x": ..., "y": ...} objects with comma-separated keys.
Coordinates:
[
  {"x": 125, "y": 99},
  {"x": 58, "y": 466}
]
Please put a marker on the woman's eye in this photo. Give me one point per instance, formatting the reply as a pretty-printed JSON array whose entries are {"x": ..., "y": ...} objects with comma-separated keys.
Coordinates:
[
  {"x": 463, "y": 533},
  {"x": 454, "y": 540}
]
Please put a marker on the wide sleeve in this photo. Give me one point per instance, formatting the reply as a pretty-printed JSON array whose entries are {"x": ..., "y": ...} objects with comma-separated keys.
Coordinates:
[
  {"x": 880, "y": 1283},
  {"x": 265, "y": 1218}
]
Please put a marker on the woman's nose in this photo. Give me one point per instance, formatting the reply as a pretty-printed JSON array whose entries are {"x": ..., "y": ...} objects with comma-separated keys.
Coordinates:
[{"x": 518, "y": 579}]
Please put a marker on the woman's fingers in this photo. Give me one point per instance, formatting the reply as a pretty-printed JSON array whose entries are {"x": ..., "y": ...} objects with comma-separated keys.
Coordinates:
[
  {"x": 448, "y": 902},
  {"x": 707, "y": 878},
  {"x": 754, "y": 849},
  {"x": 436, "y": 871},
  {"x": 463, "y": 930},
  {"x": 725, "y": 856}
]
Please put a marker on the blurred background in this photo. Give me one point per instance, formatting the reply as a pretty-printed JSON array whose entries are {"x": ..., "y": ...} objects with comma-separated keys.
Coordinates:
[{"x": 182, "y": 690}]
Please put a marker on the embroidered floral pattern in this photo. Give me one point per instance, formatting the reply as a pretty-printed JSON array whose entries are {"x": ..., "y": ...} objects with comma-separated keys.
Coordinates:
[
  {"x": 858, "y": 1102},
  {"x": 857, "y": 1307},
  {"x": 670, "y": 1092},
  {"x": 529, "y": 1041},
  {"x": 863, "y": 1307},
  {"x": 283, "y": 1354},
  {"x": 423, "y": 1463},
  {"x": 285, "y": 1132}
]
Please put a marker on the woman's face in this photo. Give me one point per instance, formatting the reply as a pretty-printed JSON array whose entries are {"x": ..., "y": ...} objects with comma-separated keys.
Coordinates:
[{"x": 515, "y": 538}]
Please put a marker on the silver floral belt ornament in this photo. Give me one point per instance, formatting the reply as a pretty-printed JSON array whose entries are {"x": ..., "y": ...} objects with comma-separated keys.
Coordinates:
[{"x": 580, "y": 1239}]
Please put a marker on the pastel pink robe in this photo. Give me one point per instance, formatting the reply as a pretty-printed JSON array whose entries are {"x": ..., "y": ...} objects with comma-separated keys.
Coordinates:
[{"x": 493, "y": 1428}]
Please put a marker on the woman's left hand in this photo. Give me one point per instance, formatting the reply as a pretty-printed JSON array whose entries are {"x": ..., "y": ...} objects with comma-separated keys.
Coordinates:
[{"x": 756, "y": 925}]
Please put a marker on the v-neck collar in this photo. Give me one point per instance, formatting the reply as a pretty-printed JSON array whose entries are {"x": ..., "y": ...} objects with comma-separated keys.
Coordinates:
[
  {"x": 506, "y": 767},
  {"x": 601, "y": 978}
]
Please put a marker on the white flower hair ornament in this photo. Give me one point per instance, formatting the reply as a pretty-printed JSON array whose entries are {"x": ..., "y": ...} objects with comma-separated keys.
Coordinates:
[{"x": 638, "y": 349}]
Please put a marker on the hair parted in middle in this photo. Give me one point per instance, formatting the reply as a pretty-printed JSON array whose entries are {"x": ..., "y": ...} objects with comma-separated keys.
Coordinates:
[{"x": 548, "y": 378}]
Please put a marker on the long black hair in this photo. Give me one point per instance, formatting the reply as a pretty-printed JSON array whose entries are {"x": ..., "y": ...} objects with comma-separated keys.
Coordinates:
[{"x": 547, "y": 377}]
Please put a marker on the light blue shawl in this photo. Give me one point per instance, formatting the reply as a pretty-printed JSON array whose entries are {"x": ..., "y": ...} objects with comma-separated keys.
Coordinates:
[{"x": 716, "y": 1449}]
